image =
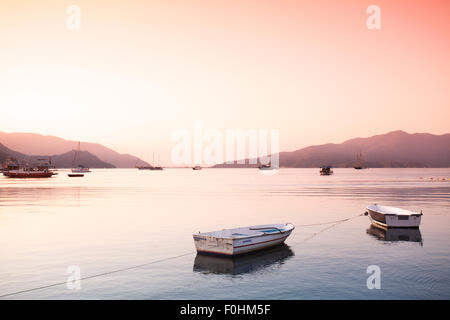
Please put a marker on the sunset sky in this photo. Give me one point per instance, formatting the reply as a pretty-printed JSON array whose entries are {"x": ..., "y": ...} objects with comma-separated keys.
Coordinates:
[{"x": 138, "y": 70}]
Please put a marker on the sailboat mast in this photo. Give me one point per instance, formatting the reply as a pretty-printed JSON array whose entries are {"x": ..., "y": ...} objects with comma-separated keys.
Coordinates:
[{"x": 75, "y": 155}]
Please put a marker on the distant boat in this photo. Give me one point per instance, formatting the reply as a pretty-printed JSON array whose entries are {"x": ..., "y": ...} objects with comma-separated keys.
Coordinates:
[
  {"x": 26, "y": 173},
  {"x": 80, "y": 168},
  {"x": 326, "y": 171},
  {"x": 149, "y": 168},
  {"x": 231, "y": 242},
  {"x": 75, "y": 175},
  {"x": 197, "y": 168},
  {"x": 359, "y": 161},
  {"x": 40, "y": 170},
  {"x": 266, "y": 167},
  {"x": 155, "y": 167},
  {"x": 389, "y": 217}
]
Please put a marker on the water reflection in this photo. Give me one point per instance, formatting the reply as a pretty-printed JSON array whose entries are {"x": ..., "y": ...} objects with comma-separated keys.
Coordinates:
[
  {"x": 248, "y": 263},
  {"x": 395, "y": 234}
]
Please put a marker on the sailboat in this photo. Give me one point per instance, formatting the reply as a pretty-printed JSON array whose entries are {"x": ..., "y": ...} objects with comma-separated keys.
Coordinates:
[
  {"x": 156, "y": 167},
  {"x": 359, "y": 162},
  {"x": 150, "y": 167},
  {"x": 80, "y": 168}
]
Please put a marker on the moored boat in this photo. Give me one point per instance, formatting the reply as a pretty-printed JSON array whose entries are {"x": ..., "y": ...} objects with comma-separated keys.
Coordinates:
[
  {"x": 197, "y": 168},
  {"x": 326, "y": 171},
  {"x": 75, "y": 175},
  {"x": 41, "y": 169},
  {"x": 359, "y": 161},
  {"x": 28, "y": 173},
  {"x": 231, "y": 242},
  {"x": 80, "y": 168},
  {"x": 149, "y": 168},
  {"x": 152, "y": 167},
  {"x": 387, "y": 216},
  {"x": 266, "y": 167}
]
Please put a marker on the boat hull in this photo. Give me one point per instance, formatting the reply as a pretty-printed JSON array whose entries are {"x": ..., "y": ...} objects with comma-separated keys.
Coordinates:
[
  {"x": 28, "y": 174},
  {"x": 394, "y": 220},
  {"x": 266, "y": 168},
  {"x": 75, "y": 175},
  {"x": 233, "y": 247}
]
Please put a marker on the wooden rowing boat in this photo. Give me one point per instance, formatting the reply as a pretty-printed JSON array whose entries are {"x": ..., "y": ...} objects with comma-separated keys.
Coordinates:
[
  {"x": 237, "y": 241},
  {"x": 393, "y": 217}
]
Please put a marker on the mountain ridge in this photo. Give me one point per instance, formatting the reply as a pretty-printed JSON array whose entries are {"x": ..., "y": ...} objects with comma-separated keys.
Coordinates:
[
  {"x": 36, "y": 144},
  {"x": 393, "y": 149}
]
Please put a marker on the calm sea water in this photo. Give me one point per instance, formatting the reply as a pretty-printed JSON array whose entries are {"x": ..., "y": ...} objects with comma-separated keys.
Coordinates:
[{"x": 116, "y": 219}]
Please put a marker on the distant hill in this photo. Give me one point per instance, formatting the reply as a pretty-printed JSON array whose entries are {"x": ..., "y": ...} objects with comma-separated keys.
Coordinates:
[
  {"x": 8, "y": 153},
  {"x": 37, "y": 144},
  {"x": 64, "y": 160},
  {"x": 396, "y": 149}
]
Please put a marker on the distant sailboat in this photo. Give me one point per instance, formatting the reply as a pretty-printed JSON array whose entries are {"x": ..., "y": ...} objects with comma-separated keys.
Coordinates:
[
  {"x": 359, "y": 161},
  {"x": 265, "y": 167},
  {"x": 150, "y": 167},
  {"x": 142, "y": 167},
  {"x": 80, "y": 168},
  {"x": 156, "y": 167}
]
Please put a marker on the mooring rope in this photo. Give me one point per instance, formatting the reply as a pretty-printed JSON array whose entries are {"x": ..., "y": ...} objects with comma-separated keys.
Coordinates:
[
  {"x": 328, "y": 222},
  {"x": 97, "y": 275},
  {"x": 334, "y": 223}
]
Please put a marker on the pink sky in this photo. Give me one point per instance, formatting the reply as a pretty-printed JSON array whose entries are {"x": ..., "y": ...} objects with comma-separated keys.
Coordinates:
[{"x": 138, "y": 70}]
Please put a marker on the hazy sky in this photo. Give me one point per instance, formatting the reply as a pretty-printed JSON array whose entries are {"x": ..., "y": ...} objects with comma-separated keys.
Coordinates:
[{"x": 138, "y": 70}]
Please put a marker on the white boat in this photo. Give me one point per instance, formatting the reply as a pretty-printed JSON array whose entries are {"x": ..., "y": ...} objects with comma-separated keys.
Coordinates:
[
  {"x": 393, "y": 217},
  {"x": 237, "y": 241},
  {"x": 80, "y": 168}
]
